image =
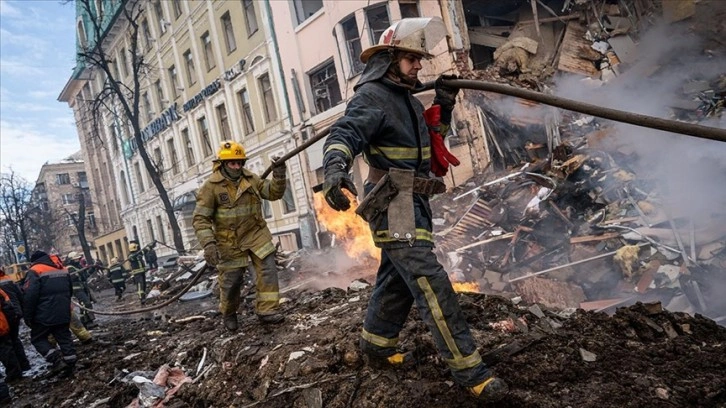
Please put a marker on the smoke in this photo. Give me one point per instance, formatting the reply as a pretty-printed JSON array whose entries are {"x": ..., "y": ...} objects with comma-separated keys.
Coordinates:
[{"x": 689, "y": 171}]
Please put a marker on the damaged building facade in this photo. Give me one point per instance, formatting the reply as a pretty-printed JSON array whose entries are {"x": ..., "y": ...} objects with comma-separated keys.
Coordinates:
[{"x": 543, "y": 204}]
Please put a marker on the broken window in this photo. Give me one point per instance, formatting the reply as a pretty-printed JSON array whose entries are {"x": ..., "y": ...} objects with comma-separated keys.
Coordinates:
[
  {"x": 352, "y": 44},
  {"x": 324, "y": 84},
  {"x": 63, "y": 178},
  {"x": 378, "y": 21}
]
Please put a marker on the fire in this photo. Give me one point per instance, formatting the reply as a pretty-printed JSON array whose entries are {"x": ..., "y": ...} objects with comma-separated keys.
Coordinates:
[
  {"x": 465, "y": 286},
  {"x": 350, "y": 229}
]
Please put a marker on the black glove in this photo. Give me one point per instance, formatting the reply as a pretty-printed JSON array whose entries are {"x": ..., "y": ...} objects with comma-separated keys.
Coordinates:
[
  {"x": 279, "y": 170},
  {"x": 337, "y": 178},
  {"x": 445, "y": 96}
]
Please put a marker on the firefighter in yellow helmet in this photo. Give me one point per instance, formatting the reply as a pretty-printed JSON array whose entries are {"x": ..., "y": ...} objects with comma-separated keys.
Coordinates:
[{"x": 231, "y": 228}]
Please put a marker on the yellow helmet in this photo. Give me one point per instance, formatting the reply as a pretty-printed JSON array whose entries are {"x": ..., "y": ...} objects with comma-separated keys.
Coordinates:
[
  {"x": 114, "y": 260},
  {"x": 133, "y": 247},
  {"x": 231, "y": 150}
]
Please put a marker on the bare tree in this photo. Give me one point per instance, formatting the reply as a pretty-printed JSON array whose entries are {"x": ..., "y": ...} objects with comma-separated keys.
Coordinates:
[
  {"x": 125, "y": 96},
  {"x": 15, "y": 207},
  {"x": 79, "y": 223}
]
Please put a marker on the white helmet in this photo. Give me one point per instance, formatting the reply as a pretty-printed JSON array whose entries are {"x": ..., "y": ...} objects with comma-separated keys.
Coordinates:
[
  {"x": 73, "y": 256},
  {"x": 415, "y": 35}
]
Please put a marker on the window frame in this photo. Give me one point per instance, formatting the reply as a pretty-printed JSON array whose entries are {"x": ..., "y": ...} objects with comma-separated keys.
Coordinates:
[
  {"x": 228, "y": 27},
  {"x": 208, "y": 51},
  {"x": 172, "y": 155},
  {"x": 174, "y": 79},
  {"x": 298, "y": 7},
  {"x": 190, "y": 68},
  {"x": 188, "y": 147},
  {"x": 330, "y": 82},
  {"x": 203, "y": 127},
  {"x": 177, "y": 9},
  {"x": 375, "y": 34},
  {"x": 223, "y": 121},
  {"x": 269, "y": 105},
  {"x": 249, "y": 9},
  {"x": 356, "y": 66},
  {"x": 62, "y": 179},
  {"x": 248, "y": 124}
]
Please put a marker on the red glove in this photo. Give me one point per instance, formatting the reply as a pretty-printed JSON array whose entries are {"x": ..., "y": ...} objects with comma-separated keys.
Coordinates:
[{"x": 441, "y": 157}]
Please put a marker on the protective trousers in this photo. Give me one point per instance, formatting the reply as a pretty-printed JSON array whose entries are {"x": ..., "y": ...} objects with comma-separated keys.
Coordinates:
[
  {"x": 268, "y": 289},
  {"x": 119, "y": 288},
  {"x": 78, "y": 329},
  {"x": 86, "y": 315},
  {"x": 413, "y": 274},
  {"x": 8, "y": 359},
  {"x": 61, "y": 333},
  {"x": 140, "y": 281},
  {"x": 18, "y": 346}
]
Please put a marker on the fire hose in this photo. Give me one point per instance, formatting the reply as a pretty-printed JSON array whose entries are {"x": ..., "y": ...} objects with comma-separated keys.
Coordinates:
[
  {"x": 688, "y": 129},
  {"x": 167, "y": 302},
  {"x": 652, "y": 122}
]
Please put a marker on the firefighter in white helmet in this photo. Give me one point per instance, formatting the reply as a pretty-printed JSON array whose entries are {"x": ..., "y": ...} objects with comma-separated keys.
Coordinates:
[
  {"x": 403, "y": 146},
  {"x": 231, "y": 227}
]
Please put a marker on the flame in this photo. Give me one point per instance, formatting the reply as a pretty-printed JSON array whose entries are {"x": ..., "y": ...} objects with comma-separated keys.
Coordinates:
[
  {"x": 351, "y": 230},
  {"x": 465, "y": 287}
]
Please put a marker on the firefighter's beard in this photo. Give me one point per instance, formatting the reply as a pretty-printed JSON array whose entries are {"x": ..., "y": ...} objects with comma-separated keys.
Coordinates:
[{"x": 398, "y": 76}]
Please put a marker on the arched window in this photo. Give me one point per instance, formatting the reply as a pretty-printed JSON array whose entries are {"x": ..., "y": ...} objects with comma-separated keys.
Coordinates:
[
  {"x": 99, "y": 10},
  {"x": 82, "y": 40},
  {"x": 124, "y": 188}
]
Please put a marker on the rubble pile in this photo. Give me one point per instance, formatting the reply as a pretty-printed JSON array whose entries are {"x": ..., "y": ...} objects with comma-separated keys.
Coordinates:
[{"x": 641, "y": 356}]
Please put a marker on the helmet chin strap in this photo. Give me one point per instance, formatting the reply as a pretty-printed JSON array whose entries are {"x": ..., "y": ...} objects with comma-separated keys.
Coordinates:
[{"x": 395, "y": 69}]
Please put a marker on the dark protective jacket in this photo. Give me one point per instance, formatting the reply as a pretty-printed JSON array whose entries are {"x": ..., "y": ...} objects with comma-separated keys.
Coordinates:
[
  {"x": 385, "y": 122},
  {"x": 150, "y": 256},
  {"x": 13, "y": 291},
  {"x": 47, "y": 294},
  {"x": 136, "y": 261},
  {"x": 116, "y": 273},
  {"x": 230, "y": 214}
]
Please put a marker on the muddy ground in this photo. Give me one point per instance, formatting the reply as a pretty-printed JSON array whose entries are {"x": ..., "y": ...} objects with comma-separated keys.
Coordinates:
[{"x": 642, "y": 356}]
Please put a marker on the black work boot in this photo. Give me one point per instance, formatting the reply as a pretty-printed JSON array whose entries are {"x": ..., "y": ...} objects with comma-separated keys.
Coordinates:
[
  {"x": 271, "y": 318},
  {"x": 230, "y": 322},
  {"x": 397, "y": 360},
  {"x": 490, "y": 390}
]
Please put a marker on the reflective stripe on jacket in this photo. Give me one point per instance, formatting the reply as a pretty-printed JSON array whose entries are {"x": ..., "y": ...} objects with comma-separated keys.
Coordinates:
[
  {"x": 47, "y": 295},
  {"x": 385, "y": 122},
  {"x": 230, "y": 214}
]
